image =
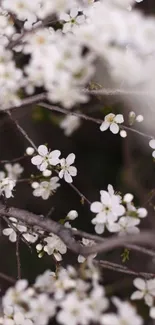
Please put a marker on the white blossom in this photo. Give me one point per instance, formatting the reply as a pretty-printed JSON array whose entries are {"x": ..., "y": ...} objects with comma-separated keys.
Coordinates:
[
  {"x": 70, "y": 124},
  {"x": 55, "y": 246},
  {"x": 67, "y": 171},
  {"x": 126, "y": 314},
  {"x": 88, "y": 243},
  {"x": 74, "y": 311},
  {"x": 6, "y": 185},
  {"x": 108, "y": 210},
  {"x": 125, "y": 225},
  {"x": 45, "y": 188},
  {"x": 14, "y": 171},
  {"x": 22, "y": 229},
  {"x": 112, "y": 122},
  {"x": 71, "y": 19},
  {"x": 45, "y": 158},
  {"x": 146, "y": 290}
]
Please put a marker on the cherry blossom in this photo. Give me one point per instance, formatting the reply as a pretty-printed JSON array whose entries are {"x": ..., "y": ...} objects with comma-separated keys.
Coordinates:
[
  {"x": 45, "y": 188},
  {"x": 70, "y": 124},
  {"x": 14, "y": 171},
  {"x": 108, "y": 210},
  {"x": 6, "y": 185},
  {"x": 71, "y": 19},
  {"x": 55, "y": 246},
  {"x": 45, "y": 158},
  {"x": 111, "y": 121},
  {"x": 67, "y": 171},
  {"x": 126, "y": 314},
  {"x": 22, "y": 229},
  {"x": 125, "y": 225},
  {"x": 146, "y": 290}
]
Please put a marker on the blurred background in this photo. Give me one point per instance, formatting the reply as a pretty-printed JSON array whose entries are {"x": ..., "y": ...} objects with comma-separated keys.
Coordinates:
[{"x": 101, "y": 159}]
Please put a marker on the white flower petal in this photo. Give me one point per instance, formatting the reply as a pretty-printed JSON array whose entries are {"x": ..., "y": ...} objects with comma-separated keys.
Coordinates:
[
  {"x": 67, "y": 177},
  {"x": 137, "y": 295},
  {"x": 99, "y": 228},
  {"x": 37, "y": 160},
  {"x": 119, "y": 118},
  {"x": 139, "y": 284},
  {"x": 42, "y": 150},
  {"x": 70, "y": 159},
  {"x": 114, "y": 128},
  {"x": 96, "y": 207},
  {"x": 72, "y": 171},
  {"x": 104, "y": 126}
]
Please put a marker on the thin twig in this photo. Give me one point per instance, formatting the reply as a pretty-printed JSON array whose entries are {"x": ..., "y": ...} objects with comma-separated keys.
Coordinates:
[
  {"x": 89, "y": 118},
  {"x": 12, "y": 160},
  {"x": 113, "y": 92},
  {"x": 122, "y": 269},
  {"x": 7, "y": 278},
  {"x": 22, "y": 131},
  {"x": 18, "y": 258}
]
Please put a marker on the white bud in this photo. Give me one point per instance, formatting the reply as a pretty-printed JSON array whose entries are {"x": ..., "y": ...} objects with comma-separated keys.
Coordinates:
[
  {"x": 39, "y": 247},
  {"x": 123, "y": 133},
  {"x": 72, "y": 214},
  {"x": 81, "y": 259},
  {"x": 35, "y": 185},
  {"x": 30, "y": 151},
  {"x": 152, "y": 143},
  {"x": 47, "y": 173},
  {"x": 142, "y": 212},
  {"x": 128, "y": 198},
  {"x": 140, "y": 118}
]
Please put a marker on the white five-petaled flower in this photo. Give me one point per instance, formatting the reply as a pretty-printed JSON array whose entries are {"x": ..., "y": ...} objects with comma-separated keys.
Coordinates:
[
  {"x": 71, "y": 19},
  {"x": 146, "y": 290},
  {"x": 108, "y": 210},
  {"x": 111, "y": 121},
  {"x": 14, "y": 171},
  {"x": 125, "y": 225},
  {"x": 55, "y": 246},
  {"x": 67, "y": 171},
  {"x": 45, "y": 158},
  {"x": 45, "y": 188},
  {"x": 126, "y": 314}
]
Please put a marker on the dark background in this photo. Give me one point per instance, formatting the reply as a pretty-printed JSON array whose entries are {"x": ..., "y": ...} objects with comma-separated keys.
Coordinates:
[{"x": 101, "y": 159}]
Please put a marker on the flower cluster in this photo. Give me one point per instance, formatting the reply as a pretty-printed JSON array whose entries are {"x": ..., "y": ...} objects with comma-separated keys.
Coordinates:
[
  {"x": 8, "y": 179},
  {"x": 146, "y": 291},
  {"x": 67, "y": 296},
  {"x": 17, "y": 227},
  {"x": 117, "y": 214},
  {"x": 52, "y": 245},
  {"x": 45, "y": 160}
]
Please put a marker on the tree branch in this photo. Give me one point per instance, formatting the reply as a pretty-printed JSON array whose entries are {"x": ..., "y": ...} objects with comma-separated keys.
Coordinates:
[{"x": 66, "y": 235}]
